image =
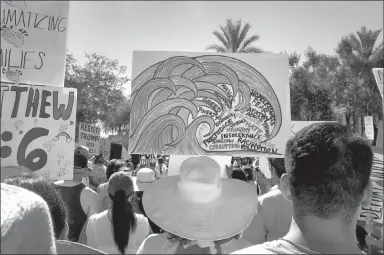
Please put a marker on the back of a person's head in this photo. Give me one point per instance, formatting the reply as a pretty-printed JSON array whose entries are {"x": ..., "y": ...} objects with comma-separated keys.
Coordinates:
[
  {"x": 114, "y": 166},
  {"x": 239, "y": 174},
  {"x": 277, "y": 165},
  {"x": 120, "y": 190},
  {"x": 53, "y": 198},
  {"x": 249, "y": 173},
  {"x": 329, "y": 169}
]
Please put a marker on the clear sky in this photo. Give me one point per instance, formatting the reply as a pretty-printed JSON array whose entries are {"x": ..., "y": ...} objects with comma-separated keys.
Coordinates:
[{"x": 116, "y": 29}]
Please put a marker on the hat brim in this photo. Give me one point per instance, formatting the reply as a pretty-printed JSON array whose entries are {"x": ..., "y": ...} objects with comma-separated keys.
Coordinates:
[
  {"x": 141, "y": 186},
  {"x": 226, "y": 217}
]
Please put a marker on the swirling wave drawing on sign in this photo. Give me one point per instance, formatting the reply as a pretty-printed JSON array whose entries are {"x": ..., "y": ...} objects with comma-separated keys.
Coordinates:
[{"x": 205, "y": 105}]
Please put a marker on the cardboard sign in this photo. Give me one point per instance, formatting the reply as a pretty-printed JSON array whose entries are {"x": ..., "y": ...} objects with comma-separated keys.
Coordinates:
[
  {"x": 375, "y": 210},
  {"x": 89, "y": 136},
  {"x": 38, "y": 129},
  {"x": 209, "y": 104},
  {"x": 33, "y": 42},
  {"x": 176, "y": 161},
  {"x": 105, "y": 147},
  {"x": 368, "y": 123},
  {"x": 379, "y": 77},
  {"x": 298, "y": 125}
]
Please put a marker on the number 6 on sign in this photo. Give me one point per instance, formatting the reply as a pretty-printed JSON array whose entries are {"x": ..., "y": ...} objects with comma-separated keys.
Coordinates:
[{"x": 29, "y": 161}]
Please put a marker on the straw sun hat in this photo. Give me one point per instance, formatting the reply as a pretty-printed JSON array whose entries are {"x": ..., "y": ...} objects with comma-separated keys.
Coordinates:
[{"x": 199, "y": 204}]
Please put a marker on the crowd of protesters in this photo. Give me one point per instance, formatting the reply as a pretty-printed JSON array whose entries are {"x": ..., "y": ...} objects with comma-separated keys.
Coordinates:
[{"x": 309, "y": 205}]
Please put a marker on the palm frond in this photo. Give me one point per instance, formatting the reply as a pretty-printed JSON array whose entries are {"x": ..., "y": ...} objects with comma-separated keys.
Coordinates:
[
  {"x": 252, "y": 49},
  {"x": 222, "y": 39},
  {"x": 217, "y": 48},
  {"x": 249, "y": 41},
  {"x": 243, "y": 34},
  {"x": 226, "y": 35}
]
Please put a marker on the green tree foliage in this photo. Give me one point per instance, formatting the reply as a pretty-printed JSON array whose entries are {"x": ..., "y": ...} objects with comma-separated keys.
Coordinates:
[
  {"x": 310, "y": 87},
  {"x": 233, "y": 38},
  {"x": 99, "y": 83},
  {"x": 355, "y": 81}
]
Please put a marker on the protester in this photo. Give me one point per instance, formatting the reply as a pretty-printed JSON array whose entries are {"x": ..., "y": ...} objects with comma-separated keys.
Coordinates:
[
  {"x": 239, "y": 174},
  {"x": 201, "y": 212},
  {"x": 98, "y": 173},
  {"x": 114, "y": 166},
  {"x": 26, "y": 226},
  {"x": 274, "y": 212},
  {"x": 118, "y": 230},
  {"x": 328, "y": 182},
  {"x": 52, "y": 197},
  {"x": 144, "y": 178},
  {"x": 81, "y": 201}
]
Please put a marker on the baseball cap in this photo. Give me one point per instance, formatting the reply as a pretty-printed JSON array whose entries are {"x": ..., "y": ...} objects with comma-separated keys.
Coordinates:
[
  {"x": 120, "y": 181},
  {"x": 81, "y": 155}
]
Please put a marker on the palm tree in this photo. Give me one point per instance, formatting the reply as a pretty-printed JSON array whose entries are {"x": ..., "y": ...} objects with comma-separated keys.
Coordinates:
[
  {"x": 358, "y": 50},
  {"x": 234, "y": 39}
]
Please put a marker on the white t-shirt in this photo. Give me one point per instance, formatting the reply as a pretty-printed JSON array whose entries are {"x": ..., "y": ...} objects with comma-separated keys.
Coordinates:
[
  {"x": 100, "y": 233},
  {"x": 105, "y": 200},
  {"x": 159, "y": 244},
  {"x": 273, "y": 218}
]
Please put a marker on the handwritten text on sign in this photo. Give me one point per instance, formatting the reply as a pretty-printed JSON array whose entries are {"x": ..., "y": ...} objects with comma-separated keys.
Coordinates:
[
  {"x": 90, "y": 136},
  {"x": 38, "y": 129},
  {"x": 33, "y": 42},
  {"x": 375, "y": 209}
]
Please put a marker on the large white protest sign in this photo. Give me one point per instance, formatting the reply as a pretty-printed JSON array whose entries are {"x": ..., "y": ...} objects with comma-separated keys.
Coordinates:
[
  {"x": 38, "y": 129},
  {"x": 379, "y": 77},
  {"x": 188, "y": 103},
  {"x": 33, "y": 42},
  {"x": 89, "y": 135},
  {"x": 368, "y": 124},
  {"x": 375, "y": 209},
  {"x": 175, "y": 162}
]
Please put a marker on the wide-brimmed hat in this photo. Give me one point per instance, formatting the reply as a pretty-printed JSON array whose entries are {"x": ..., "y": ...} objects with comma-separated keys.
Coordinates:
[
  {"x": 120, "y": 181},
  {"x": 144, "y": 177},
  {"x": 200, "y": 205}
]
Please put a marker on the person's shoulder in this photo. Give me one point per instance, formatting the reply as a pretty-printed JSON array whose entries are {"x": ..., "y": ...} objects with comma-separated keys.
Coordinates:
[
  {"x": 98, "y": 216},
  {"x": 141, "y": 218},
  {"x": 89, "y": 192},
  {"x": 273, "y": 247},
  {"x": 255, "y": 249},
  {"x": 270, "y": 195}
]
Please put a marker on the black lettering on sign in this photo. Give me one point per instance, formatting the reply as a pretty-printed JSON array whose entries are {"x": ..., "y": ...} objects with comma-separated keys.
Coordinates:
[
  {"x": 23, "y": 19},
  {"x": 21, "y": 59},
  {"x": 18, "y": 91},
  {"x": 40, "y": 155},
  {"x": 58, "y": 111}
]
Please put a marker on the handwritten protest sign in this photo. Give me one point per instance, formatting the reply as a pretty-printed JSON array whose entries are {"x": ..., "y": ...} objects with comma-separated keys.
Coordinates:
[
  {"x": 105, "y": 147},
  {"x": 375, "y": 210},
  {"x": 209, "y": 104},
  {"x": 379, "y": 77},
  {"x": 38, "y": 129},
  {"x": 175, "y": 162},
  {"x": 89, "y": 135},
  {"x": 368, "y": 123},
  {"x": 33, "y": 42}
]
